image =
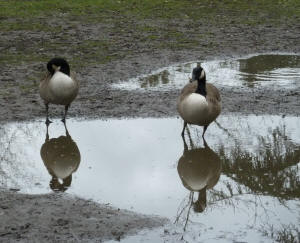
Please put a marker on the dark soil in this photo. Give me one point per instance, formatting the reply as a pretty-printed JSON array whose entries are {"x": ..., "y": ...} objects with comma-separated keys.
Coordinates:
[
  {"x": 20, "y": 98},
  {"x": 58, "y": 217}
]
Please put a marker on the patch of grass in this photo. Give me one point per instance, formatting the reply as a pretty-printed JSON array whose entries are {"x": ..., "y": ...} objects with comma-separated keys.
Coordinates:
[
  {"x": 37, "y": 8},
  {"x": 155, "y": 21},
  {"x": 28, "y": 87},
  {"x": 4, "y": 93},
  {"x": 147, "y": 29},
  {"x": 252, "y": 12},
  {"x": 95, "y": 52},
  {"x": 170, "y": 9},
  {"x": 152, "y": 37},
  {"x": 20, "y": 58},
  {"x": 83, "y": 53},
  {"x": 19, "y": 24},
  {"x": 286, "y": 233}
]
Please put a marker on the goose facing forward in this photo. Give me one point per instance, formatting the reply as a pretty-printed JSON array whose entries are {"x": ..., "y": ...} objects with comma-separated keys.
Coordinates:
[
  {"x": 59, "y": 86},
  {"x": 199, "y": 102}
]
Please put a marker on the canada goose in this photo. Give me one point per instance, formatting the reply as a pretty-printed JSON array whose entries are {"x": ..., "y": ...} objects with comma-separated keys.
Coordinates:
[
  {"x": 59, "y": 86},
  {"x": 199, "y": 102},
  {"x": 61, "y": 157},
  {"x": 199, "y": 169}
]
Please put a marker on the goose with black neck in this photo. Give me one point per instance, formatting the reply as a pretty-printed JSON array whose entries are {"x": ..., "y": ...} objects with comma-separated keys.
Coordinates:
[
  {"x": 59, "y": 86},
  {"x": 199, "y": 102}
]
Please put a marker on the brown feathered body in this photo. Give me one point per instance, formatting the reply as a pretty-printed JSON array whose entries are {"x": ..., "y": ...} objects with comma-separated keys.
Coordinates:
[
  {"x": 199, "y": 168},
  {"x": 61, "y": 156}
]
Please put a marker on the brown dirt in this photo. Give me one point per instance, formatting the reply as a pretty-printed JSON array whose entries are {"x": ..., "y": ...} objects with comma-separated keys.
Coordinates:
[
  {"x": 58, "y": 217},
  {"x": 97, "y": 100}
]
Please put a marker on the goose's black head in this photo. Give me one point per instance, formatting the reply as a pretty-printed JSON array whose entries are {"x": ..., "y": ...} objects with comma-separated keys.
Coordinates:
[
  {"x": 200, "y": 204},
  {"x": 58, "y": 62},
  {"x": 57, "y": 186},
  {"x": 199, "y": 75},
  {"x": 199, "y": 207}
]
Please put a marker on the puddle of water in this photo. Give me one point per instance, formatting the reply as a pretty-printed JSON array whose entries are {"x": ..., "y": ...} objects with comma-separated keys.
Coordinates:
[
  {"x": 276, "y": 70},
  {"x": 248, "y": 173}
]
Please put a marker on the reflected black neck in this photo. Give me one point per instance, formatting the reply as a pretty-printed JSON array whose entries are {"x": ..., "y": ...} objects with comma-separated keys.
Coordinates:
[
  {"x": 202, "y": 196},
  {"x": 201, "y": 88}
]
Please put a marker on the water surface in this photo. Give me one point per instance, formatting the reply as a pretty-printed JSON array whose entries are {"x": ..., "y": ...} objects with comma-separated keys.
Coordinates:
[
  {"x": 242, "y": 184},
  {"x": 267, "y": 70}
]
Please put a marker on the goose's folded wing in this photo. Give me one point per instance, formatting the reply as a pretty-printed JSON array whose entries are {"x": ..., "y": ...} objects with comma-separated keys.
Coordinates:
[
  {"x": 188, "y": 89},
  {"x": 212, "y": 93}
]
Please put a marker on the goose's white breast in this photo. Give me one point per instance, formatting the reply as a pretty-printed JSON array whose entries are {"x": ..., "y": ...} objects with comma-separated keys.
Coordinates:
[
  {"x": 194, "y": 109},
  {"x": 61, "y": 85}
]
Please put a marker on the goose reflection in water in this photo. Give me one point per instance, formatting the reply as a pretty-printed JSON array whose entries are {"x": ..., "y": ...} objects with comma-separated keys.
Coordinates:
[
  {"x": 61, "y": 157},
  {"x": 199, "y": 169}
]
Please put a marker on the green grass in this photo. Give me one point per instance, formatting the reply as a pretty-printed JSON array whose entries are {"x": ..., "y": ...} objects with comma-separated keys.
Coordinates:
[
  {"x": 95, "y": 51},
  {"x": 146, "y": 8},
  {"x": 21, "y": 57},
  {"x": 157, "y": 22},
  {"x": 16, "y": 25}
]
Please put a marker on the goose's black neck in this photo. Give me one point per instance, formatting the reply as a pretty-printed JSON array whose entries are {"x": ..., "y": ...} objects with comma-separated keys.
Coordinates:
[
  {"x": 201, "y": 88},
  {"x": 59, "y": 62},
  {"x": 199, "y": 75},
  {"x": 200, "y": 204}
]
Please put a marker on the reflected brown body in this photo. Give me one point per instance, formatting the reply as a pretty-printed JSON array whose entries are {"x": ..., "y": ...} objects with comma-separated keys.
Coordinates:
[
  {"x": 199, "y": 168},
  {"x": 61, "y": 157}
]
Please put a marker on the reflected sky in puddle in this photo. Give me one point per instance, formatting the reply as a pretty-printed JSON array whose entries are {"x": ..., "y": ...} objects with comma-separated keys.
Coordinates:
[
  {"x": 262, "y": 70},
  {"x": 247, "y": 173}
]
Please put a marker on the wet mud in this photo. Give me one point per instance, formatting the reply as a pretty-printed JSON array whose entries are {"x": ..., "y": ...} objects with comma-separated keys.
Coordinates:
[
  {"x": 97, "y": 99},
  {"x": 55, "y": 218}
]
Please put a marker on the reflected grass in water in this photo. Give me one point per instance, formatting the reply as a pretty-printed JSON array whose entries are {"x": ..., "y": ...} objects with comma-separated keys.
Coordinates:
[{"x": 271, "y": 171}]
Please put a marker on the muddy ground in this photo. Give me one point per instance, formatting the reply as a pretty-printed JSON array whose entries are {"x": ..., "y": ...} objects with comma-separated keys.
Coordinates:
[
  {"x": 60, "y": 218},
  {"x": 19, "y": 83}
]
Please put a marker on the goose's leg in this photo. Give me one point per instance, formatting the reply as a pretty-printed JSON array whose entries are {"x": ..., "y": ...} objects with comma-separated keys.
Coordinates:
[
  {"x": 205, "y": 143},
  {"x": 189, "y": 135},
  {"x": 47, "y": 115},
  {"x": 66, "y": 111},
  {"x": 204, "y": 130},
  {"x": 47, "y": 134},
  {"x": 184, "y": 125},
  {"x": 186, "y": 148},
  {"x": 66, "y": 129}
]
